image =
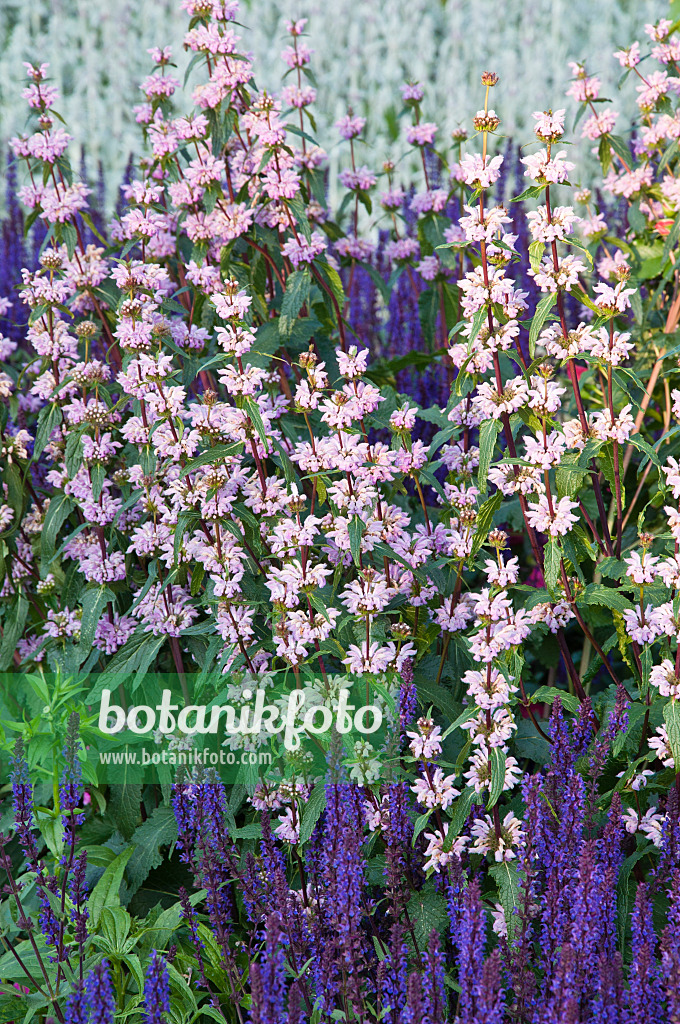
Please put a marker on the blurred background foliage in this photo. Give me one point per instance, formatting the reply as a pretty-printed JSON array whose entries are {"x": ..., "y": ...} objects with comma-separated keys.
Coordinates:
[{"x": 363, "y": 51}]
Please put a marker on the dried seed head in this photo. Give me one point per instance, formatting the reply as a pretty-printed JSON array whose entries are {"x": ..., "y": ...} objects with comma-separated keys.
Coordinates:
[
  {"x": 131, "y": 308},
  {"x": 489, "y": 78},
  {"x": 86, "y": 329},
  {"x": 51, "y": 259},
  {"x": 308, "y": 360},
  {"x": 486, "y": 121},
  {"x": 498, "y": 539}
]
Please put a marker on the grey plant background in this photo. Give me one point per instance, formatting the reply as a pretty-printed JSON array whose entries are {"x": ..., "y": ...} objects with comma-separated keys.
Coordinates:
[{"x": 363, "y": 51}]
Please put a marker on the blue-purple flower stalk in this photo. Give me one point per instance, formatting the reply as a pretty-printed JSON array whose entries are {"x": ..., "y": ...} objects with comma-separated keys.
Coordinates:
[{"x": 156, "y": 990}]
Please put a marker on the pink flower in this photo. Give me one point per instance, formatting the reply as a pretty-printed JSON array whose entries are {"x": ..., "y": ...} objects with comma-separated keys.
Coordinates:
[
  {"x": 556, "y": 523},
  {"x": 421, "y": 134},
  {"x": 350, "y": 126}
]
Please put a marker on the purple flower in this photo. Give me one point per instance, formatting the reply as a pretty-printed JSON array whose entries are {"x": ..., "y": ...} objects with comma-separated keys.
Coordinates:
[
  {"x": 413, "y": 1012},
  {"x": 434, "y": 991},
  {"x": 269, "y": 992},
  {"x": 71, "y": 789},
  {"x": 644, "y": 995},
  {"x": 75, "y": 1011},
  {"x": 79, "y": 913},
  {"x": 393, "y": 992},
  {"x": 156, "y": 989},
  {"x": 469, "y": 936},
  {"x": 184, "y": 807},
  {"x": 670, "y": 951},
  {"x": 99, "y": 995},
  {"x": 491, "y": 997},
  {"x": 608, "y": 1007},
  {"x": 22, "y": 792}
]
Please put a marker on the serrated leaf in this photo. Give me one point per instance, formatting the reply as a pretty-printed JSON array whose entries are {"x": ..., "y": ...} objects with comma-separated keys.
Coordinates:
[
  {"x": 13, "y": 627},
  {"x": 551, "y": 563},
  {"x": 255, "y": 415},
  {"x": 159, "y": 830},
  {"x": 356, "y": 531},
  {"x": 212, "y": 455},
  {"x": 107, "y": 888},
  {"x": 539, "y": 318},
  {"x": 671, "y": 714},
  {"x": 295, "y": 297},
  {"x": 497, "y": 759},
  {"x": 123, "y": 807},
  {"x": 94, "y": 601},
  {"x": 313, "y": 810},
  {"x": 49, "y": 419},
  {"x": 488, "y": 434},
  {"x": 134, "y": 657},
  {"x": 427, "y": 911},
  {"x": 549, "y": 694},
  {"x": 73, "y": 457},
  {"x": 60, "y": 509},
  {"x": 605, "y": 597},
  {"x": 485, "y": 519},
  {"x": 505, "y": 875}
]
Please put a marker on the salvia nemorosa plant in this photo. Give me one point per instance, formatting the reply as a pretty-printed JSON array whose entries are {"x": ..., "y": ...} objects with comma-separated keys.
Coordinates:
[{"x": 206, "y": 471}]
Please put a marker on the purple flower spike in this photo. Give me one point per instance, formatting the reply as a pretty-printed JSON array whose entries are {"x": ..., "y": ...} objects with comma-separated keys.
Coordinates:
[{"x": 156, "y": 990}]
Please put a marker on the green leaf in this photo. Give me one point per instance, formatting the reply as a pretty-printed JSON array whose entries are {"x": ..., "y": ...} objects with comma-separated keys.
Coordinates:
[
  {"x": 427, "y": 912},
  {"x": 314, "y": 808},
  {"x": 488, "y": 434},
  {"x": 549, "y": 694},
  {"x": 485, "y": 519},
  {"x": 497, "y": 759},
  {"x": 620, "y": 148},
  {"x": 533, "y": 192},
  {"x": 569, "y": 476},
  {"x": 95, "y": 600},
  {"x": 671, "y": 239},
  {"x": 73, "y": 458},
  {"x": 135, "y": 656},
  {"x": 460, "y": 813},
  {"x": 356, "y": 531},
  {"x": 212, "y": 455},
  {"x": 157, "y": 831},
  {"x": 536, "y": 250},
  {"x": 671, "y": 714},
  {"x": 605, "y": 597},
  {"x": 461, "y": 720},
  {"x": 295, "y": 297},
  {"x": 505, "y": 875},
  {"x": 642, "y": 446},
  {"x": 48, "y": 419},
  {"x": 420, "y": 824},
  {"x": 604, "y": 153},
  {"x": 123, "y": 807},
  {"x": 107, "y": 888},
  {"x": 13, "y": 627},
  {"x": 539, "y": 318},
  {"x": 60, "y": 509},
  {"x": 551, "y": 564},
  {"x": 256, "y": 419}
]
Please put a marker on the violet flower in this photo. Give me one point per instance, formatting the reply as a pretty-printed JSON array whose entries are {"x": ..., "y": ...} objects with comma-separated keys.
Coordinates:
[{"x": 156, "y": 989}]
